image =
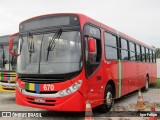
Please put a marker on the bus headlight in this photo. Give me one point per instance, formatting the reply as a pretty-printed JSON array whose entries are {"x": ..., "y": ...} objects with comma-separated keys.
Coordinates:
[
  {"x": 71, "y": 89},
  {"x": 61, "y": 93},
  {"x": 75, "y": 86},
  {"x": 68, "y": 91}
]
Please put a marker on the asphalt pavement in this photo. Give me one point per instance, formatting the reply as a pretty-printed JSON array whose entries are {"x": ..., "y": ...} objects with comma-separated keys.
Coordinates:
[{"x": 123, "y": 106}]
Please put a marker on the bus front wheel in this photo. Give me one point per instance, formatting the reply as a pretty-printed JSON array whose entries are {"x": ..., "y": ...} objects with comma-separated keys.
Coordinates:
[{"x": 108, "y": 100}]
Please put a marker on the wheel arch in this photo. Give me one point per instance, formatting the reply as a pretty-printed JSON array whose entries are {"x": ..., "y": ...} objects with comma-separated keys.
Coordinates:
[{"x": 111, "y": 82}]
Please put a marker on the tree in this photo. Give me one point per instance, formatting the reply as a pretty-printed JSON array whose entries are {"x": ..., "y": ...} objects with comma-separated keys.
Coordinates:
[{"x": 158, "y": 52}]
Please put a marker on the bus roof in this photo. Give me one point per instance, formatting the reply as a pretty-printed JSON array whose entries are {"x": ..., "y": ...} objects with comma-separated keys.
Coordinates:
[
  {"x": 4, "y": 39},
  {"x": 87, "y": 19}
]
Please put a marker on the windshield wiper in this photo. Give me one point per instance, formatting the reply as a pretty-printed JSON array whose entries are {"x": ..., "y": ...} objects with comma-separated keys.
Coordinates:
[
  {"x": 30, "y": 46},
  {"x": 20, "y": 45},
  {"x": 30, "y": 43},
  {"x": 52, "y": 43}
]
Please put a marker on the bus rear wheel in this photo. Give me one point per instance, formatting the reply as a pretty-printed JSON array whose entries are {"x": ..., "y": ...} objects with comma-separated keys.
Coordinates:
[
  {"x": 146, "y": 84},
  {"x": 108, "y": 100}
]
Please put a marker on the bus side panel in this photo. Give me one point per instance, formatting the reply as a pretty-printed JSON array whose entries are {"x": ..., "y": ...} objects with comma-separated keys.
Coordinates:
[
  {"x": 125, "y": 77},
  {"x": 142, "y": 74},
  {"x": 139, "y": 75},
  {"x": 110, "y": 72},
  {"x": 153, "y": 72},
  {"x": 129, "y": 77}
]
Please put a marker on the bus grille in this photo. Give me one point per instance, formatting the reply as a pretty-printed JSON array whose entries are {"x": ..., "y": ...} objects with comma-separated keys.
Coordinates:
[
  {"x": 47, "y": 102},
  {"x": 52, "y": 92},
  {"x": 41, "y": 80}
]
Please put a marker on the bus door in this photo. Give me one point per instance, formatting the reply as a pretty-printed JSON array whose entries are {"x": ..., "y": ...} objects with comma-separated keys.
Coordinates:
[{"x": 93, "y": 68}]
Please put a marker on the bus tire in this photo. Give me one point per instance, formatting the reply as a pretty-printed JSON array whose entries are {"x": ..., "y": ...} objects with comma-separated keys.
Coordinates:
[
  {"x": 108, "y": 101},
  {"x": 146, "y": 87}
]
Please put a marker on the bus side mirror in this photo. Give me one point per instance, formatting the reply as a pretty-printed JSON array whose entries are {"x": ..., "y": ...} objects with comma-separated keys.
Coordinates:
[
  {"x": 91, "y": 45},
  {"x": 11, "y": 46},
  {"x": 92, "y": 49}
]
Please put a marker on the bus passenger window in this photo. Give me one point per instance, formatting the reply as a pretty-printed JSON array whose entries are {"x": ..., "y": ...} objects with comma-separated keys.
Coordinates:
[
  {"x": 151, "y": 59},
  {"x": 132, "y": 51},
  {"x": 154, "y": 57},
  {"x": 111, "y": 49},
  {"x": 138, "y": 52},
  {"x": 124, "y": 49},
  {"x": 147, "y": 55},
  {"x": 143, "y": 54}
]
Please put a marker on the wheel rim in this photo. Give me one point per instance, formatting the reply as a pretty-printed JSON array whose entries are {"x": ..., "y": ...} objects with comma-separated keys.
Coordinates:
[{"x": 109, "y": 99}]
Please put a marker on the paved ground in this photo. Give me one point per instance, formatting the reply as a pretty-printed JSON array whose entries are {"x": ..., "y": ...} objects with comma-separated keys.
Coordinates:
[
  {"x": 128, "y": 102},
  {"x": 125, "y": 104}
]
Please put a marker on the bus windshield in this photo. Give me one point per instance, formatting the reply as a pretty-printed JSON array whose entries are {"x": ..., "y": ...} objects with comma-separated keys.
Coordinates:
[
  {"x": 63, "y": 58},
  {"x": 7, "y": 62}
]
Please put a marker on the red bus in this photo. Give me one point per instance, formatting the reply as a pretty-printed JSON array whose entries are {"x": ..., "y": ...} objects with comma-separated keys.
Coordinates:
[
  {"x": 66, "y": 59},
  {"x": 7, "y": 64}
]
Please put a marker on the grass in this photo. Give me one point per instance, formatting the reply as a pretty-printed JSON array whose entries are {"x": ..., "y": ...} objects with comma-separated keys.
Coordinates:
[{"x": 156, "y": 84}]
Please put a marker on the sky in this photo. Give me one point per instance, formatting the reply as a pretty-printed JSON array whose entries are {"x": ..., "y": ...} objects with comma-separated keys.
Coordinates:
[{"x": 139, "y": 19}]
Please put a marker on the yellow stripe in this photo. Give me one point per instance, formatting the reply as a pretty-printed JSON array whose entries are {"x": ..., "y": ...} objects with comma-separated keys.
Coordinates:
[
  {"x": 11, "y": 79},
  {"x": 12, "y": 73},
  {"x": 31, "y": 86}
]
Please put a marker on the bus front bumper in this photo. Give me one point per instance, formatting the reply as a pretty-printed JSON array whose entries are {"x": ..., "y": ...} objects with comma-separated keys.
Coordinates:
[
  {"x": 8, "y": 84},
  {"x": 73, "y": 102},
  {"x": 7, "y": 87}
]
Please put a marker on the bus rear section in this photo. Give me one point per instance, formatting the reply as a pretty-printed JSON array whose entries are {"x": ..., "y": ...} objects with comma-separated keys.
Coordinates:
[{"x": 7, "y": 65}]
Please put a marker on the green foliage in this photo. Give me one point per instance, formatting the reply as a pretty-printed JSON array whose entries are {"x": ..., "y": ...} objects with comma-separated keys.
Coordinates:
[
  {"x": 156, "y": 84},
  {"x": 158, "y": 52}
]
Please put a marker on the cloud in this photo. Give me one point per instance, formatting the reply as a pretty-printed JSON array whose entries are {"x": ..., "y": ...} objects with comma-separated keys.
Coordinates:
[{"x": 137, "y": 18}]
